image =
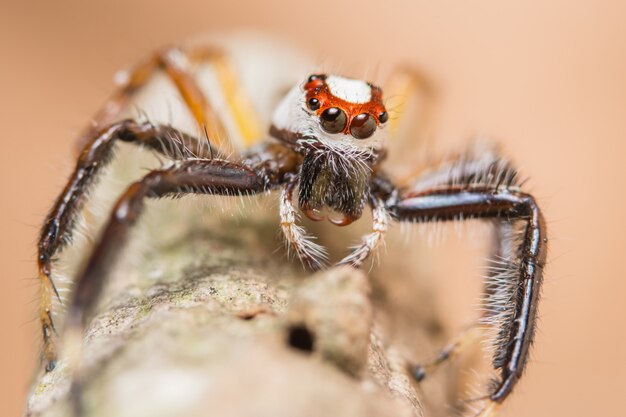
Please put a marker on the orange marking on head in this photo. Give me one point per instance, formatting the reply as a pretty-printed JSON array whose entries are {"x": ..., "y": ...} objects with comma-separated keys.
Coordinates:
[{"x": 316, "y": 88}]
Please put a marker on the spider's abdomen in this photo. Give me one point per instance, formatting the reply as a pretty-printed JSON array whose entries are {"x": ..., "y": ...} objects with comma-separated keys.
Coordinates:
[{"x": 323, "y": 184}]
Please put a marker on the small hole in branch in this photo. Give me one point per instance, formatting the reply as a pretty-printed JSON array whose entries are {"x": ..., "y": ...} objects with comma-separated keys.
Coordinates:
[{"x": 301, "y": 338}]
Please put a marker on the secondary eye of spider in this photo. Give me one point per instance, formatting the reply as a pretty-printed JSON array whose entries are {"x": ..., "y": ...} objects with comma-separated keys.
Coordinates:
[
  {"x": 363, "y": 126},
  {"x": 383, "y": 117},
  {"x": 314, "y": 77},
  {"x": 333, "y": 120},
  {"x": 313, "y": 103}
]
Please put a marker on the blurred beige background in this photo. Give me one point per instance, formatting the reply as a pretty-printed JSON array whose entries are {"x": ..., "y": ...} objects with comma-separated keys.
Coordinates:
[{"x": 548, "y": 78}]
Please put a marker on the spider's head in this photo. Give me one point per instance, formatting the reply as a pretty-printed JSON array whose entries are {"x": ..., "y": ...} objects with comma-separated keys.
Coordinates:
[
  {"x": 338, "y": 112},
  {"x": 338, "y": 124}
]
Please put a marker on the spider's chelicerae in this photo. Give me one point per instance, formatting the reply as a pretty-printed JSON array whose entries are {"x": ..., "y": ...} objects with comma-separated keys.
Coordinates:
[{"x": 325, "y": 153}]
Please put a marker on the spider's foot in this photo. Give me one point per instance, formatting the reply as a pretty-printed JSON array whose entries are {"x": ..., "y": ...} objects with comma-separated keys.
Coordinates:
[
  {"x": 49, "y": 342},
  {"x": 420, "y": 371},
  {"x": 50, "y": 364},
  {"x": 417, "y": 372}
]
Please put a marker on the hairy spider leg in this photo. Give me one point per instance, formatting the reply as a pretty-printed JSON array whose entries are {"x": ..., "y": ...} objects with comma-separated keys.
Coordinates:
[
  {"x": 310, "y": 253},
  {"x": 213, "y": 177},
  {"x": 59, "y": 224},
  {"x": 480, "y": 166},
  {"x": 177, "y": 66},
  {"x": 455, "y": 202}
]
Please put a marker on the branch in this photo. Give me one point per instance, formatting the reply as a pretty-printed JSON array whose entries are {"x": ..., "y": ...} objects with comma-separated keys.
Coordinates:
[{"x": 211, "y": 321}]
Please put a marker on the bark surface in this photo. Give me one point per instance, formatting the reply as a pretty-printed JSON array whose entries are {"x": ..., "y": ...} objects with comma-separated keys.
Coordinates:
[{"x": 212, "y": 319}]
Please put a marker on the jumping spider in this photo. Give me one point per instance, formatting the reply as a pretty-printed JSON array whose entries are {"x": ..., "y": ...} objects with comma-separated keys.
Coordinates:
[{"x": 325, "y": 152}]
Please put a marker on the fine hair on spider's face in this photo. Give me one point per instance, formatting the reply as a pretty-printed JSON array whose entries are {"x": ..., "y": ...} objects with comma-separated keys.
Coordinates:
[{"x": 338, "y": 124}]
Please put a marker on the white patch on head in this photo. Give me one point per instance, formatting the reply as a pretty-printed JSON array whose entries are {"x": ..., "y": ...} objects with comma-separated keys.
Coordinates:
[{"x": 353, "y": 91}]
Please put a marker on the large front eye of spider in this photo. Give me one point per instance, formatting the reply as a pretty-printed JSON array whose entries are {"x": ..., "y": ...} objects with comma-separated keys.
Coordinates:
[
  {"x": 333, "y": 120},
  {"x": 363, "y": 126}
]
